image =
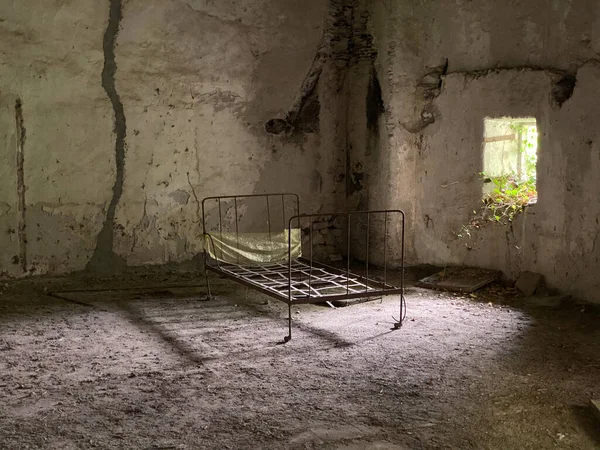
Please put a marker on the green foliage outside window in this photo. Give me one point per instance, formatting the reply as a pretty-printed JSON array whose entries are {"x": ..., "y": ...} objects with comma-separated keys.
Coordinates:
[{"x": 510, "y": 193}]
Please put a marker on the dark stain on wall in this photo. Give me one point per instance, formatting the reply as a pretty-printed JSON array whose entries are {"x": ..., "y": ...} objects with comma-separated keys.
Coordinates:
[
  {"x": 307, "y": 118},
  {"x": 375, "y": 106},
  {"x": 21, "y": 188},
  {"x": 337, "y": 45},
  {"x": 355, "y": 177},
  {"x": 104, "y": 258},
  {"x": 277, "y": 126},
  {"x": 563, "y": 89},
  {"x": 304, "y": 115}
]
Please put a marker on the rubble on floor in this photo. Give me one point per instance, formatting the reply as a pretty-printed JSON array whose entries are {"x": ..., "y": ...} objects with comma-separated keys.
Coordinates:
[{"x": 460, "y": 279}]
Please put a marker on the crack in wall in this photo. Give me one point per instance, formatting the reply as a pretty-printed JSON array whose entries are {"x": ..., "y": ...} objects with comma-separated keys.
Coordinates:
[
  {"x": 104, "y": 258},
  {"x": 563, "y": 88},
  {"x": 231, "y": 20},
  {"x": 432, "y": 83},
  {"x": 21, "y": 188},
  {"x": 476, "y": 73},
  {"x": 195, "y": 196}
]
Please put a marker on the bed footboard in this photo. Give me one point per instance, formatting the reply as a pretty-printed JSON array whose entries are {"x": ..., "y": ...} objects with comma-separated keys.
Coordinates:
[{"x": 361, "y": 270}]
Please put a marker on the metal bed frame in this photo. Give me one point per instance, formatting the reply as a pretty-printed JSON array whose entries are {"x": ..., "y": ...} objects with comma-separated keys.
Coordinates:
[{"x": 304, "y": 280}]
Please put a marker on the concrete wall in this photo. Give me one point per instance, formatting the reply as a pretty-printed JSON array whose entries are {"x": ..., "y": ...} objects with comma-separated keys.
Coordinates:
[
  {"x": 133, "y": 111},
  {"x": 118, "y": 117},
  {"x": 446, "y": 65}
]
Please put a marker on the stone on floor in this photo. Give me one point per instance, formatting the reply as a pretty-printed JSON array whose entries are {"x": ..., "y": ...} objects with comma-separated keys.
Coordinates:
[
  {"x": 595, "y": 404},
  {"x": 529, "y": 282}
]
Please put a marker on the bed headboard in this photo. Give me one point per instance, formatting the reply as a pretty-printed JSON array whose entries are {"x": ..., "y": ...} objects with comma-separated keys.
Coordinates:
[{"x": 268, "y": 213}]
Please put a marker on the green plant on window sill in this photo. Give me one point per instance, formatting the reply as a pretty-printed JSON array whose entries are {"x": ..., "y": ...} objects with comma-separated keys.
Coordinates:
[{"x": 508, "y": 198}]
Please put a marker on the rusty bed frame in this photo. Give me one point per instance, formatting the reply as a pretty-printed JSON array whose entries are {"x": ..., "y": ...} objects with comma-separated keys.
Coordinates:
[{"x": 304, "y": 280}]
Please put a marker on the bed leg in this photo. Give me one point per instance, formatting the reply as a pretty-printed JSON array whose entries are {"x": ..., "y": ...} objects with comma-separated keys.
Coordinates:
[
  {"x": 209, "y": 296},
  {"x": 398, "y": 323},
  {"x": 289, "y": 336}
]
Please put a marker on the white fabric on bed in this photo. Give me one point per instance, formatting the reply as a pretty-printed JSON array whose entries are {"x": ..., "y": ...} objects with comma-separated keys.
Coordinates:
[{"x": 253, "y": 248}]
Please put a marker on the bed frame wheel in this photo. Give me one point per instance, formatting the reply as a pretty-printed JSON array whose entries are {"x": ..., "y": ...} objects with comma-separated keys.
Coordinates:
[
  {"x": 207, "y": 298},
  {"x": 397, "y": 325}
]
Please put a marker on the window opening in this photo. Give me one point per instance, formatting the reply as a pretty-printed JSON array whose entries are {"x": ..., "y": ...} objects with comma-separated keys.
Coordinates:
[{"x": 510, "y": 162}]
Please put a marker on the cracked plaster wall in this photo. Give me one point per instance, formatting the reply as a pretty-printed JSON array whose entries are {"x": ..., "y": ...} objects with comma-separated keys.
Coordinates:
[
  {"x": 446, "y": 65},
  {"x": 51, "y": 58},
  {"x": 197, "y": 79}
]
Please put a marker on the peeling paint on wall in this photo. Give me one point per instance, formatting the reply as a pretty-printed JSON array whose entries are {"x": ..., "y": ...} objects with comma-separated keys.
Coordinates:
[{"x": 504, "y": 60}]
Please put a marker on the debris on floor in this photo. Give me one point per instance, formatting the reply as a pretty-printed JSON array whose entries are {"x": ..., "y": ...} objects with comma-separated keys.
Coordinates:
[
  {"x": 352, "y": 301},
  {"x": 496, "y": 292},
  {"x": 143, "y": 364},
  {"x": 460, "y": 279},
  {"x": 595, "y": 404},
  {"x": 550, "y": 301},
  {"x": 529, "y": 282}
]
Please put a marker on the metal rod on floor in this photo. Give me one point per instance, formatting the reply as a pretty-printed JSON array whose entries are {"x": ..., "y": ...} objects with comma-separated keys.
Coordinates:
[
  {"x": 367, "y": 256},
  {"x": 385, "y": 251},
  {"x": 289, "y": 336},
  {"x": 311, "y": 258},
  {"x": 348, "y": 259},
  {"x": 220, "y": 227},
  {"x": 283, "y": 209},
  {"x": 208, "y": 294},
  {"x": 237, "y": 234},
  {"x": 204, "y": 245},
  {"x": 402, "y": 312},
  {"x": 269, "y": 217}
]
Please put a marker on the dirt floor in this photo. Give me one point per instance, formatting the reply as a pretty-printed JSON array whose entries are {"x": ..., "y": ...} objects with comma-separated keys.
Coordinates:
[{"x": 160, "y": 369}]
